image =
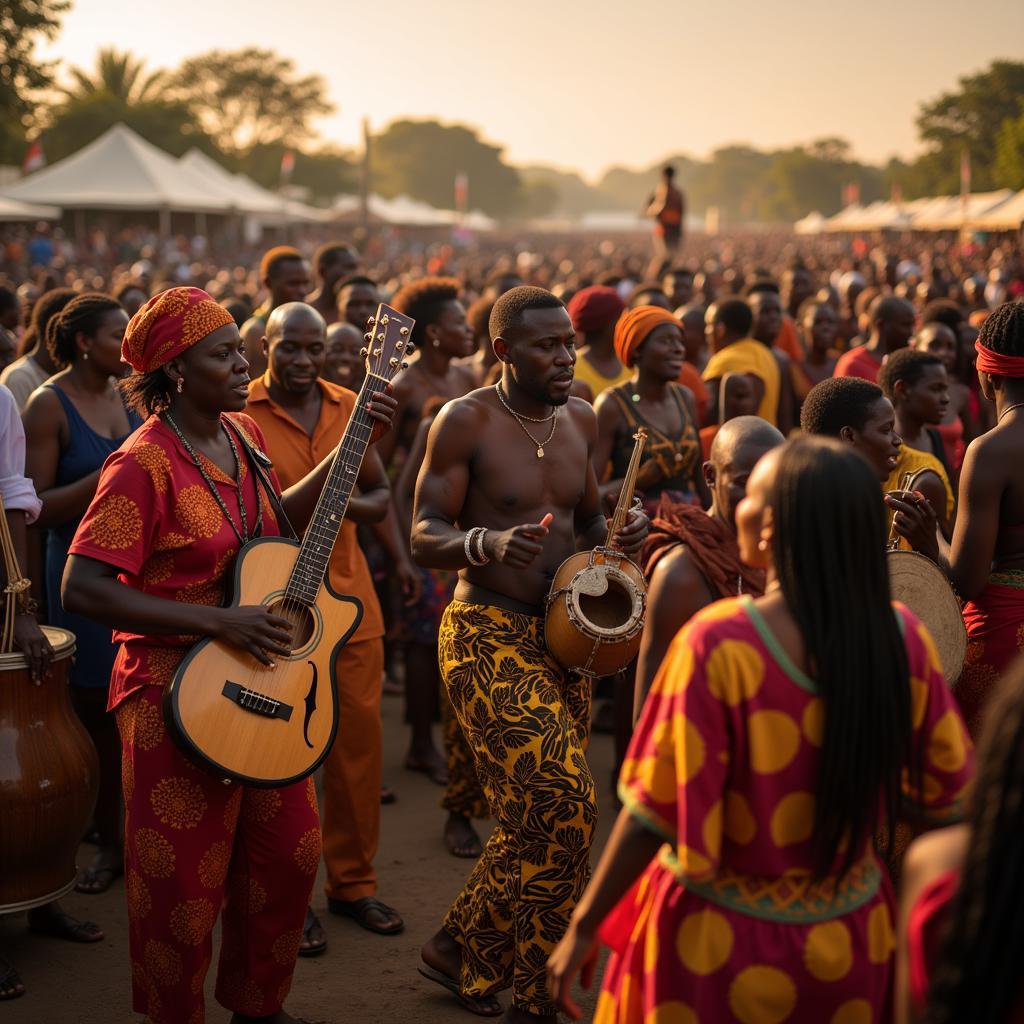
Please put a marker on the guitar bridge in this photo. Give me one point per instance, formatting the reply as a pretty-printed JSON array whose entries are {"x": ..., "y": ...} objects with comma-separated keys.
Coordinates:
[{"x": 256, "y": 702}]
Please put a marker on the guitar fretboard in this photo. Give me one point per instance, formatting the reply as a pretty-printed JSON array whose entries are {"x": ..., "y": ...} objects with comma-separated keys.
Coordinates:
[{"x": 314, "y": 556}]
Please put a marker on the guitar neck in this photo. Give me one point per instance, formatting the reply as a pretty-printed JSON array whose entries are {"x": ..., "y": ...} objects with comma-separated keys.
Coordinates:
[{"x": 315, "y": 553}]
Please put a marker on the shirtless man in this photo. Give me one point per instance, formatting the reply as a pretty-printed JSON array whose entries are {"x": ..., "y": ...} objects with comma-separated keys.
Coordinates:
[
  {"x": 332, "y": 264},
  {"x": 511, "y": 465},
  {"x": 691, "y": 555}
]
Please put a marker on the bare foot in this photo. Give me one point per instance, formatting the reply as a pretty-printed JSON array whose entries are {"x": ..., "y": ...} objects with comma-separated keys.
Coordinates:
[
  {"x": 443, "y": 959},
  {"x": 460, "y": 837}
]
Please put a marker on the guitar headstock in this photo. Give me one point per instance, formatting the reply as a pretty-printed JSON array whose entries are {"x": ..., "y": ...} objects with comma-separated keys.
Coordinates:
[{"x": 388, "y": 341}]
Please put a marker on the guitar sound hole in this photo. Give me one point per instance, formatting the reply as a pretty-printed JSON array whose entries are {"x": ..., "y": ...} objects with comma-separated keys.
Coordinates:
[
  {"x": 301, "y": 618},
  {"x": 611, "y": 609}
]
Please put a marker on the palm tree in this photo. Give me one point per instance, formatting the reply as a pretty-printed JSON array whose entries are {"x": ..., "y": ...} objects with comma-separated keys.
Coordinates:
[{"x": 119, "y": 75}]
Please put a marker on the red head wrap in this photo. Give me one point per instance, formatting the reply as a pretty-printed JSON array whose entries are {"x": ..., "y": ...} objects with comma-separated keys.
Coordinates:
[
  {"x": 997, "y": 363},
  {"x": 594, "y": 308},
  {"x": 633, "y": 327},
  {"x": 169, "y": 323}
]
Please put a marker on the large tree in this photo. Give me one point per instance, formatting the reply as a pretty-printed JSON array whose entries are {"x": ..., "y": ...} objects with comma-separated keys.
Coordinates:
[
  {"x": 23, "y": 23},
  {"x": 250, "y": 98},
  {"x": 421, "y": 159}
]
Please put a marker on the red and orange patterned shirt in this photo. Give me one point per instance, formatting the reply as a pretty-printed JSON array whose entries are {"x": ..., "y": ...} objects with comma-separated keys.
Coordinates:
[{"x": 154, "y": 519}]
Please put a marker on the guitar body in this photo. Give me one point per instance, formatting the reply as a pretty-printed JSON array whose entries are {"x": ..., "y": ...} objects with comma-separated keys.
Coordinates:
[{"x": 248, "y": 722}]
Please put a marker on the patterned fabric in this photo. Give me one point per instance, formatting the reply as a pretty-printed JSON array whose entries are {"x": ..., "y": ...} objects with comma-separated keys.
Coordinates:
[
  {"x": 168, "y": 324},
  {"x": 527, "y": 725},
  {"x": 463, "y": 794},
  {"x": 912, "y": 461},
  {"x": 730, "y": 924},
  {"x": 154, "y": 518},
  {"x": 995, "y": 639},
  {"x": 196, "y": 849}
]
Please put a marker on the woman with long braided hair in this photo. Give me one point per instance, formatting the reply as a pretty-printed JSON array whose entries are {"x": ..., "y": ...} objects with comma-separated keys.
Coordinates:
[
  {"x": 779, "y": 734},
  {"x": 987, "y": 561},
  {"x": 72, "y": 424},
  {"x": 963, "y": 890}
]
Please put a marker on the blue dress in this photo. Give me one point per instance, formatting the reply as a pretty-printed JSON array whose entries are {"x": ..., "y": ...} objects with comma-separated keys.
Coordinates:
[{"x": 86, "y": 452}]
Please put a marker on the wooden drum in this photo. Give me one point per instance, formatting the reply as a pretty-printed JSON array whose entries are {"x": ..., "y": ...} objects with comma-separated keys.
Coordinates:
[
  {"x": 922, "y": 586},
  {"x": 595, "y": 612},
  {"x": 49, "y": 776}
]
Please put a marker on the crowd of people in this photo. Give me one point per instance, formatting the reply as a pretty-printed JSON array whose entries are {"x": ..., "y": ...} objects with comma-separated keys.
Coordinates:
[{"x": 788, "y": 734}]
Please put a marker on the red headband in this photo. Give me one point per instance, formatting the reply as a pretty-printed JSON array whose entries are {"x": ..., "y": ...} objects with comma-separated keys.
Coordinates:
[{"x": 997, "y": 363}]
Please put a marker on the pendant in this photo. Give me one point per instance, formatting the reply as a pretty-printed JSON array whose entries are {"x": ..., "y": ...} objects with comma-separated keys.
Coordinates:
[{"x": 540, "y": 453}]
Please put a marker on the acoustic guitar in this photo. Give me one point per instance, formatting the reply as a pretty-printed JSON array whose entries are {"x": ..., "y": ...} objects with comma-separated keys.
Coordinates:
[{"x": 270, "y": 726}]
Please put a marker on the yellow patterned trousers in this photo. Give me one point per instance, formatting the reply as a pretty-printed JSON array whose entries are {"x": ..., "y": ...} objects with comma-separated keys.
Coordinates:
[{"x": 526, "y": 723}]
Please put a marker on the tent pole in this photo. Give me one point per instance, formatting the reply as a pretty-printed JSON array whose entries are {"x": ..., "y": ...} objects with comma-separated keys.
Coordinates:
[{"x": 165, "y": 222}]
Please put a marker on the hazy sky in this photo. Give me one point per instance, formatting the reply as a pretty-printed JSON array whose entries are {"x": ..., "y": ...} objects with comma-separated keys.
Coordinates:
[{"x": 590, "y": 83}]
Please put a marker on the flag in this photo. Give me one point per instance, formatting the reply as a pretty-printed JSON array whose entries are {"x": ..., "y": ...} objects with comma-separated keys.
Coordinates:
[
  {"x": 965, "y": 171},
  {"x": 287, "y": 164},
  {"x": 851, "y": 193},
  {"x": 461, "y": 191},
  {"x": 35, "y": 159}
]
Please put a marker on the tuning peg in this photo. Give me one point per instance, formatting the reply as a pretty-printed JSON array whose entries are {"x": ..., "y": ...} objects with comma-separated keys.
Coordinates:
[
  {"x": 405, "y": 365},
  {"x": 410, "y": 348},
  {"x": 368, "y": 336},
  {"x": 393, "y": 363},
  {"x": 385, "y": 319},
  {"x": 380, "y": 337},
  {"x": 376, "y": 353},
  {"x": 364, "y": 351},
  {"x": 370, "y": 321},
  {"x": 403, "y": 331}
]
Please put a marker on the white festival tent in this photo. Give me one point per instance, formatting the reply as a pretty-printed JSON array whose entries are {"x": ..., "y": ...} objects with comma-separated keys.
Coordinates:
[
  {"x": 1008, "y": 216},
  {"x": 247, "y": 197},
  {"x": 1001, "y": 210},
  {"x": 120, "y": 171},
  {"x": 408, "y": 212},
  {"x": 14, "y": 210}
]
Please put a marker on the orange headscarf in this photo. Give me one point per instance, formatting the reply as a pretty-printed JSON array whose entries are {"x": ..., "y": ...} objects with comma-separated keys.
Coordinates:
[
  {"x": 167, "y": 325},
  {"x": 633, "y": 327}
]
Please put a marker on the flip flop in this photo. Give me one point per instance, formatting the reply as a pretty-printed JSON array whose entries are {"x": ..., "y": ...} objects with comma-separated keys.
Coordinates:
[
  {"x": 359, "y": 911},
  {"x": 58, "y": 925},
  {"x": 101, "y": 879},
  {"x": 312, "y": 921},
  {"x": 10, "y": 981},
  {"x": 482, "y": 1006}
]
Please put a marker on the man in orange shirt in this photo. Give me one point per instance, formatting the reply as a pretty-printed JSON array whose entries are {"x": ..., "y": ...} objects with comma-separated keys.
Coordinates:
[{"x": 303, "y": 419}]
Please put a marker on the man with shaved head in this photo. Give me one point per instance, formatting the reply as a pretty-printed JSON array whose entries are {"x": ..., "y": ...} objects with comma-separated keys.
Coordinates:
[
  {"x": 892, "y": 326},
  {"x": 691, "y": 556},
  {"x": 303, "y": 418}
]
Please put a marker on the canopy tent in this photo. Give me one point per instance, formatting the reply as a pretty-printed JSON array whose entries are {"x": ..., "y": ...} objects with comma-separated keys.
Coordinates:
[
  {"x": 13, "y": 210},
  {"x": 120, "y": 171},
  {"x": 1002, "y": 210},
  {"x": 812, "y": 224},
  {"x": 249, "y": 198},
  {"x": 407, "y": 212}
]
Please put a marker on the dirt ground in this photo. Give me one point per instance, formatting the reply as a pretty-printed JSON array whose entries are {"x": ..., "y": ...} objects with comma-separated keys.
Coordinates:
[{"x": 362, "y": 979}]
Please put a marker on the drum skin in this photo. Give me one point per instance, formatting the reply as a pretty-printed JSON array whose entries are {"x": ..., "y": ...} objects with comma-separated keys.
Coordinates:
[
  {"x": 922, "y": 586},
  {"x": 49, "y": 776},
  {"x": 568, "y": 641}
]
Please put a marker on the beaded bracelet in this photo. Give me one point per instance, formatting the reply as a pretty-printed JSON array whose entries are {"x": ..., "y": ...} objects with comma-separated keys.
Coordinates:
[
  {"x": 467, "y": 546},
  {"x": 481, "y": 554}
]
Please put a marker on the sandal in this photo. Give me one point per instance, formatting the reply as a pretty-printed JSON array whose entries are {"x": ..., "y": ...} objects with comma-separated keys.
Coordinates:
[
  {"x": 58, "y": 925},
  {"x": 315, "y": 945},
  {"x": 482, "y": 1006},
  {"x": 360, "y": 911},
  {"x": 93, "y": 881},
  {"x": 11, "y": 985}
]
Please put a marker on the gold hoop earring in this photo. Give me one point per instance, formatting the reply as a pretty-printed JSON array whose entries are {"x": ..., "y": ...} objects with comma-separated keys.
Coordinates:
[
  {"x": 181, "y": 385},
  {"x": 762, "y": 544}
]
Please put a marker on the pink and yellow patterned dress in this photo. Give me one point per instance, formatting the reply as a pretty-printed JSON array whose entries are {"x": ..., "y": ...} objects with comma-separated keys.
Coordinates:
[{"x": 728, "y": 923}]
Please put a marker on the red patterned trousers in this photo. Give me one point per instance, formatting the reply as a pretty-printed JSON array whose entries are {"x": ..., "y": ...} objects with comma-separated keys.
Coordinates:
[{"x": 196, "y": 848}]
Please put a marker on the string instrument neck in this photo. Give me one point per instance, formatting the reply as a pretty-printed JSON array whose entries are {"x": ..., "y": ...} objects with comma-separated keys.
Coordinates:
[{"x": 628, "y": 485}]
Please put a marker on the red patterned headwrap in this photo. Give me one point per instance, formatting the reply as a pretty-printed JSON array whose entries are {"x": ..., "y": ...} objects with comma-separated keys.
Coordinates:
[
  {"x": 633, "y": 327},
  {"x": 997, "y": 363},
  {"x": 167, "y": 325}
]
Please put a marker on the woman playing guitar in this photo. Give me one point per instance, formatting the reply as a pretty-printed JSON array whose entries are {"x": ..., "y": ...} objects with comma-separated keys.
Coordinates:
[{"x": 173, "y": 507}]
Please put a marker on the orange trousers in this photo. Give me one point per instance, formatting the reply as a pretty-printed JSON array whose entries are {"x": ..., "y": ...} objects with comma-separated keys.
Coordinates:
[
  {"x": 196, "y": 849},
  {"x": 351, "y": 775}
]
